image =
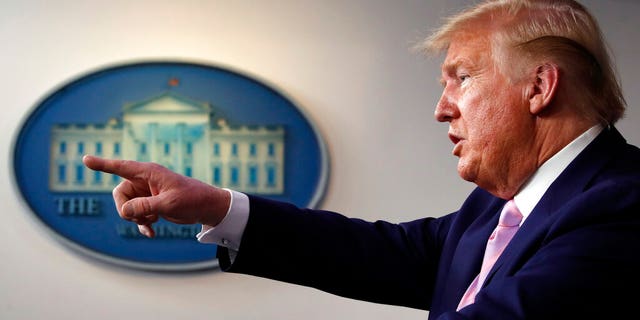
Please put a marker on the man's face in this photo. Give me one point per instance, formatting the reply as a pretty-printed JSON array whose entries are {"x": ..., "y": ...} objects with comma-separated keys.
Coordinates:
[{"x": 489, "y": 120}]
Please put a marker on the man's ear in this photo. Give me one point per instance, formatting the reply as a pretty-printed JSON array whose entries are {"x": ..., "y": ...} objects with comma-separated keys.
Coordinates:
[{"x": 543, "y": 87}]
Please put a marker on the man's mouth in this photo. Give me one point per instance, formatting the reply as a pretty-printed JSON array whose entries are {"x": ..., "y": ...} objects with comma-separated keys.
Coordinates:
[{"x": 457, "y": 140}]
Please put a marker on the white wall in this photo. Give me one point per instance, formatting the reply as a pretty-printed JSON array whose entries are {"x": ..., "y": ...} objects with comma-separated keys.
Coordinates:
[{"x": 347, "y": 63}]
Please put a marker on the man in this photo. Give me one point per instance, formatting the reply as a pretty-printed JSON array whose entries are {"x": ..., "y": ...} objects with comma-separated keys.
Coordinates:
[{"x": 531, "y": 99}]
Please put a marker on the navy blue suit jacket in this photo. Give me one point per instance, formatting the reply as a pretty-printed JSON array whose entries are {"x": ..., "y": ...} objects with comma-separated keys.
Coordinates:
[{"x": 576, "y": 255}]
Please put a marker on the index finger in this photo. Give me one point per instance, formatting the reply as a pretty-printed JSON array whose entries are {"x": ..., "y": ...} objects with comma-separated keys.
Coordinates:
[{"x": 123, "y": 168}]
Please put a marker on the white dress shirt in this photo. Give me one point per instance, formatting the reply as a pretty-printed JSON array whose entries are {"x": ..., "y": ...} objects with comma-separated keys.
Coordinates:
[
  {"x": 229, "y": 232},
  {"x": 532, "y": 191}
]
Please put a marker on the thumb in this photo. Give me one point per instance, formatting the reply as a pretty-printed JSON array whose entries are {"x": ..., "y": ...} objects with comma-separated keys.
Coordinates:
[
  {"x": 147, "y": 230},
  {"x": 142, "y": 210}
]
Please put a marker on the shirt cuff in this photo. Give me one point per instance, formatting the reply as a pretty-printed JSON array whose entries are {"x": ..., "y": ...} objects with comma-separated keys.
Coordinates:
[{"x": 228, "y": 233}]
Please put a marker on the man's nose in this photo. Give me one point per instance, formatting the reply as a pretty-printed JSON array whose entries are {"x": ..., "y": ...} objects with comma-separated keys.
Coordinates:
[{"x": 446, "y": 109}]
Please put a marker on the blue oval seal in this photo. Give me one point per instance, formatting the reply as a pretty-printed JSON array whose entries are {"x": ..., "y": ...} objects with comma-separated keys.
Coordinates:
[{"x": 207, "y": 122}]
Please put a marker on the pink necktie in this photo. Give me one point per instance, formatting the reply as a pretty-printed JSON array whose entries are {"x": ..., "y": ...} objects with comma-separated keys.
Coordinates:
[{"x": 508, "y": 224}]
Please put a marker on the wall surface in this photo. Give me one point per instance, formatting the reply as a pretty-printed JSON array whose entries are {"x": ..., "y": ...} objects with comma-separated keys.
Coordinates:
[{"x": 346, "y": 63}]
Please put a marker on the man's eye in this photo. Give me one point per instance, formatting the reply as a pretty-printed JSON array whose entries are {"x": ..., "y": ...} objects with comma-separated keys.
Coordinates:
[{"x": 463, "y": 77}]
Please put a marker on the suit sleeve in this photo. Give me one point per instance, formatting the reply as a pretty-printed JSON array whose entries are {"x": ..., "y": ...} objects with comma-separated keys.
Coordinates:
[{"x": 372, "y": 261}]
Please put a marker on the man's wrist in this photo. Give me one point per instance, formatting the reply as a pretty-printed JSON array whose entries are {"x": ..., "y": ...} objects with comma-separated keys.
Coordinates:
[
  {"x": 228, "y": 232},
  {"x": 219, "y": 205}
]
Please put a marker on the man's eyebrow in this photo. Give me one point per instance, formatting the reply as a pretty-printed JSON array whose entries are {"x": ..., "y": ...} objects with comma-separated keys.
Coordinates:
[
  {"x": 452, "y": 66},
  {"x": 449, "y": 68}
]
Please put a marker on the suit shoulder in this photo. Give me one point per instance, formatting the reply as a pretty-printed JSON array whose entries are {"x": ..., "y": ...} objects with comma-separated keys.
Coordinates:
[{"x": 623, "y": 168}]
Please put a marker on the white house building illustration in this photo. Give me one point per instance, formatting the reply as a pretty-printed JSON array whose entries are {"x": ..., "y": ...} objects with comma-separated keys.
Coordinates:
[{"x": 182, "y": 134}]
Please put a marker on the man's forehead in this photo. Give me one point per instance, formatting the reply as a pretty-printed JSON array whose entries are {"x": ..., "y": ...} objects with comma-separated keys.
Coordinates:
[{"x": 469, "y": 51}]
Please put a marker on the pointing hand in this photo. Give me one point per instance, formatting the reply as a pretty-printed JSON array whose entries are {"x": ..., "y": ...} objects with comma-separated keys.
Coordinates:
[{"x": 150, "y": 191}]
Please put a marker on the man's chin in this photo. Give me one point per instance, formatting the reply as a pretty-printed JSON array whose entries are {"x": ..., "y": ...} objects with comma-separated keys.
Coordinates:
[{"x": 465, "y": 173}]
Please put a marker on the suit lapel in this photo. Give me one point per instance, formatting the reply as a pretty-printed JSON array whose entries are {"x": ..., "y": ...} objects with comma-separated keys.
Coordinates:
[
  {"x": 572, "y": 181},
  {"x": 467, "y": 258}
]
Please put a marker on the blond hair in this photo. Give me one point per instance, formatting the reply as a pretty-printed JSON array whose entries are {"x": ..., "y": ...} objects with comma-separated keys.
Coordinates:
[{"x": 560, "y": 30}]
